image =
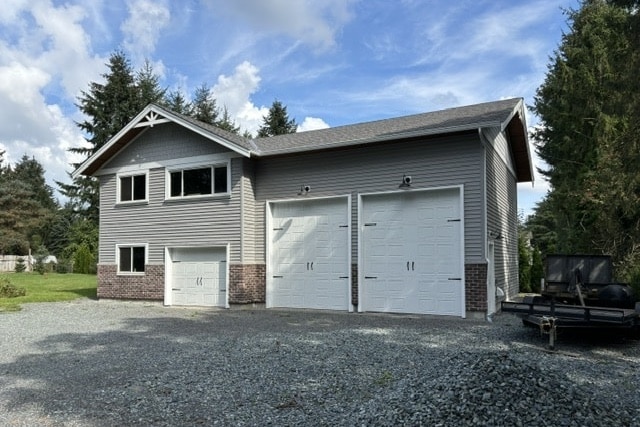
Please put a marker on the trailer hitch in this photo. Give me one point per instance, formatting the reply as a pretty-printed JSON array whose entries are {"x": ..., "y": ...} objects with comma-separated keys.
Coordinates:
[{"x": 548, "y": 326}]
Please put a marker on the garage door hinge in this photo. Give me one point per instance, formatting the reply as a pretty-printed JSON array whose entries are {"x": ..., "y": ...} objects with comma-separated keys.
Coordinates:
[
  {"x": 453, "y": 220},
  {"x": 344, "y": 277},
  {"x": 176, "y": 289},
  {"x": 454, "y": 278},
  {"x": 278, "y": 229},
  {"x": 343, "y": 226},
  {"x": 371, "y": 224},
  {"x": 278, "y": 277},
  {"x": 370, "y": 277}
]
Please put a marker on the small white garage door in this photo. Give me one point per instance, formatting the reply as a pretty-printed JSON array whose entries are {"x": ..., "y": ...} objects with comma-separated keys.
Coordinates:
[
  {"x": 309, "y": 254},
  {"x": 412, "y": 259},
  {"x": 198, "y": 276}
]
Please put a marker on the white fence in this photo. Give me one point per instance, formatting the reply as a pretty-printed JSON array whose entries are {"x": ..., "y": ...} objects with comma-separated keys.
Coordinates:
[{"x": 8, "y": 262}]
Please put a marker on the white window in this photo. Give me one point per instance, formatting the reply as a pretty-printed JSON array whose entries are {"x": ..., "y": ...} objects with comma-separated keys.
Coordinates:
[
  {"x": 131, "y": 258},
  {"x": 198, "y": 181},
  {"x": 132, "y": 188}
]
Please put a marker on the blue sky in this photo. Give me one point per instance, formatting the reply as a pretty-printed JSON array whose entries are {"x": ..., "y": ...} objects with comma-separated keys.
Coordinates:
[{"x": 331, "y": 62}]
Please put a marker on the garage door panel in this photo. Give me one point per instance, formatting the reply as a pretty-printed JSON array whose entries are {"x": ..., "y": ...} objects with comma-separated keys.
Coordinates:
[
  {"x": 312, "y": 268},
  {"x": 198, "y": 276},
  {"x": 413, "y": 250}
]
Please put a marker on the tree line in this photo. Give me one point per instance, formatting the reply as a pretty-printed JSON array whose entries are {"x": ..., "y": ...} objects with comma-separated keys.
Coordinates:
[
  {"x": 32, "y": 219},
  {"x": 589, "y": 139}
]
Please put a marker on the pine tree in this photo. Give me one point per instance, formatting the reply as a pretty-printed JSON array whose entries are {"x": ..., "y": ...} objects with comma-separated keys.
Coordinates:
[
  {"x": 148, "y": 85},
  {"x": 175, "y": 101},
  {"x": 277, "y": 122},
  {"x": 204, "y": 105},
  {"x": 583, "y": 107},
  {"x": 226, "y": 122}
]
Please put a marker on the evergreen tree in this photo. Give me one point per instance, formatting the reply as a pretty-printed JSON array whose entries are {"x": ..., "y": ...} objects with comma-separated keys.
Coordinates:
[
  {"x": 204, "y": 105},
  {"x": 27, "y": 206},
  {"x": 226, "y": 122},
  {"x": 584, "y": 107},
  {"x": 148, "y": 85},
  {"x": 277, "y": 122},
  {"x": 175, "y": 101},
  {"x": 30, "y": 171}
]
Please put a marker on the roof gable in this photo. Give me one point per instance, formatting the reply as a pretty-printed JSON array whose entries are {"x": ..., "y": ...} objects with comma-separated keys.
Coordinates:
[{"x": 150, "y": 117}]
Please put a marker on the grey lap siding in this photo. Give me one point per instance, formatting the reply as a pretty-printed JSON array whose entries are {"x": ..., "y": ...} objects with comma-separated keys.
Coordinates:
[
  {"x": 213, "y": 221},
  {"x": 502, "y": 214},
  {"x": 432, "y": 163},
  {"x": 166, "y": 142}
]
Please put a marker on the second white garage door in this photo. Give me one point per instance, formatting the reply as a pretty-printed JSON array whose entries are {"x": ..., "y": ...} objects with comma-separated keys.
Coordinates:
[
  {"x": 411, "y": 253},
  {"x": 309, "y": 254}
]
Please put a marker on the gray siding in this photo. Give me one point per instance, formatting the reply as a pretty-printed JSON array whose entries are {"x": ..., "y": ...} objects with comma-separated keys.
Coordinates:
[
  {"x": 196, "y": 222},
  {"x": 165, "y": 142},
  {"x": 431, "y": 163},
  {"x": 502, "y": 214}
]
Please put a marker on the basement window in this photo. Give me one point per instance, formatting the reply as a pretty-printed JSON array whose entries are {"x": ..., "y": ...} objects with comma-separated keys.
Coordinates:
[{"x": 132, "y": 259}]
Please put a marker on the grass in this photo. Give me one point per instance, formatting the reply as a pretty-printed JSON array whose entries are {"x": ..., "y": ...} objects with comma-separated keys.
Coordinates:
[{"x": 50, "y": 287}]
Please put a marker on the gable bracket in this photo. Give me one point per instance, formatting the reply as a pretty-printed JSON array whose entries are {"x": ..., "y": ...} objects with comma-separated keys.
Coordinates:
[{"x": 151, "y": 119}]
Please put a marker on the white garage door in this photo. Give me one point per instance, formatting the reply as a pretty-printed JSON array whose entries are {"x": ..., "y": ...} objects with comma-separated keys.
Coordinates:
[
  {"x": 309, "y": 254},
  {"x": 199, "y": 276},
  {"x": 412, "y": 259}
]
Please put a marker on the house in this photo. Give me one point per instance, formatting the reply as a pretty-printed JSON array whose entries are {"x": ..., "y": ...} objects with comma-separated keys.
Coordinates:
[{"x": 415, "y": 214}]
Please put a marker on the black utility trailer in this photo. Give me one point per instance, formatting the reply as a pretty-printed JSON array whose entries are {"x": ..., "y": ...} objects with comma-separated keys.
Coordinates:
[{"x": 578, "y": 292}]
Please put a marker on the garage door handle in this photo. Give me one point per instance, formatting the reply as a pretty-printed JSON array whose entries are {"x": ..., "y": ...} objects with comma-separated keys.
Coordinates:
[
  {"x": 370, "y": 277},
  {"x": 176, "y": 289},
  {"x": 312, "y": 266},
  {"x": 307, "y": 266},
  {"x": 407, "y": 265},
  {"x": 454, "y": 278},
  {"x": 277, "y": 277},
  {"x": 413, "y": 266}
]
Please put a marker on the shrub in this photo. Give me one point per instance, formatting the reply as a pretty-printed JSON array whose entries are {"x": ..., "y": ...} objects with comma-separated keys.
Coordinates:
[
  {"x": 9, "y": 290},
  {"x": 40, "y": 256},
  {"x": 83, "y": 261},
  {"x": 20, "y": 265}
]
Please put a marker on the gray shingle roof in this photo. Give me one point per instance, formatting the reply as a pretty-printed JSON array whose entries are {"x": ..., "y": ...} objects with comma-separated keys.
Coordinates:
[{"x": 470, "y": 117}]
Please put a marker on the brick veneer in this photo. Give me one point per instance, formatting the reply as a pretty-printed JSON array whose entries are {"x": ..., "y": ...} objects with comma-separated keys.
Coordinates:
[
  {"x": 476, "y": 286},
  {"x": 149, "y": 286},
  {"x": 247, "y": 283},
  {"x": 354, "y": 285}
]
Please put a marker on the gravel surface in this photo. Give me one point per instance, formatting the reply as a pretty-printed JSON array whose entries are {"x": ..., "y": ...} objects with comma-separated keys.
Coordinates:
[{"x": 106, "y": 363}]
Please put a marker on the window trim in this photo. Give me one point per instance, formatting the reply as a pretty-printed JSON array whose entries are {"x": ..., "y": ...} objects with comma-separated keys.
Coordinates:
[
  {"x": 119, "y": 177},
  {"x": 212, "y": 166},
  {"x": 132, "y": 245}
]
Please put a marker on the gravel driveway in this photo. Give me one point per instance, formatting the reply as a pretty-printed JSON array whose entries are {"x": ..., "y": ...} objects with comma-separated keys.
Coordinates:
[{"x": 106, "y": 363}]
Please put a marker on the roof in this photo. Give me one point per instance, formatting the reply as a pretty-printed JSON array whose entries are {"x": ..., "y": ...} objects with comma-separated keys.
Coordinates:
[{"x": 508, "y": 115}]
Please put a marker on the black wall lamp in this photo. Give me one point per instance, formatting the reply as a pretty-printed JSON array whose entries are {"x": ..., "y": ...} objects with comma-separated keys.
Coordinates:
[
  {"x": 406, "y": 181},
  {"x": 304, "y": 189}
]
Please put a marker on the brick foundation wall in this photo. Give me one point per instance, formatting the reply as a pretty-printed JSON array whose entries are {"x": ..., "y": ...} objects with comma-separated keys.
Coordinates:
[
  {"x": 247, "y": 283},
  {"x": 476, "y": 287},
  {"x": 149, "y": 286},
  {"x": 354, "y": 285}
]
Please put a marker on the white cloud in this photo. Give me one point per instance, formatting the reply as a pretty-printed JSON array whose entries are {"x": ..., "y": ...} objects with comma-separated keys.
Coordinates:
[
  {"x": 143, "y": 27},
  {"x": 314, "y": 22},
  {"x": 312, "y": 123},
  {"x": 45, "y": 61},
  {"x": 234, "y": 92}
]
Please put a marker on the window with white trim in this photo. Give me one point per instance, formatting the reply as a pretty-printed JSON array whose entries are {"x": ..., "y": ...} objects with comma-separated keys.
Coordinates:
[
  {"x": 132, "y": 188},
  {"x": 200, "y": 181},
  {"x": 131, "y": 258}
]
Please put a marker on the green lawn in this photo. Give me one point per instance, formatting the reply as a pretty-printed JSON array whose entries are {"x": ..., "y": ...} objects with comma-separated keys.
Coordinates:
[{"x": 50, "y": 287}]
